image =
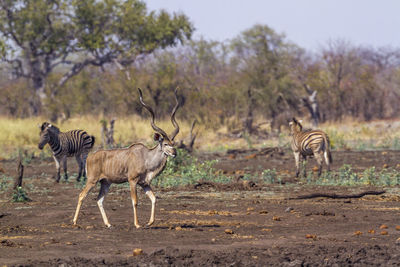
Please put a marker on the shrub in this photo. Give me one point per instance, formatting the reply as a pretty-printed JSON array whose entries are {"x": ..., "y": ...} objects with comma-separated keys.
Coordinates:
[
  {"x": 19, "y": 195},
  {"x": 185, "y": 169}
]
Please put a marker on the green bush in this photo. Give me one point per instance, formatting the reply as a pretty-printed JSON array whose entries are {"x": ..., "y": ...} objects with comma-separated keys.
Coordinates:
[
  {"x": 269, "y": 176},
  {"x": 347, "y": 177},
  {"x": 19, "y": 195},
  {"x": 185, "y": 169}
]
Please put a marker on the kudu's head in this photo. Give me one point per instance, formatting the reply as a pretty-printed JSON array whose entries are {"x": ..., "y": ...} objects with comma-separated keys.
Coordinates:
[
  {"x": 46, "y": 129},
  {"x": 295, "y": 126},
  {"x": 166, "y": 143}
]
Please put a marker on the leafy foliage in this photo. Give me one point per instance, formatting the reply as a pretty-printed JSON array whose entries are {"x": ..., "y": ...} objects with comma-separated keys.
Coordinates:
[
  {"x": 37, "y": 37},
  {"x": 185, "y": 169},
  {"x": 347, "y": 177},
  {"x": 19, "y": 195}
]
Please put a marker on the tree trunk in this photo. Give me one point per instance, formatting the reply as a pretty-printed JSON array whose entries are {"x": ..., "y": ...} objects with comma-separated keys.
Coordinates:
[
  {"x": 20, "y": 174},
  {"x": 248, "y": 121}
]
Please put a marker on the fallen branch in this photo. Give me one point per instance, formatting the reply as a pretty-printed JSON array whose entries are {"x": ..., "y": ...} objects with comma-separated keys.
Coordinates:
[{"x": 315, "y": 195}]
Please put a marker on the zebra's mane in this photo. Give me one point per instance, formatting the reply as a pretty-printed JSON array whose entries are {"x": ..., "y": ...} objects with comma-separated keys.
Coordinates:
[{"x": 52, "y": 128}]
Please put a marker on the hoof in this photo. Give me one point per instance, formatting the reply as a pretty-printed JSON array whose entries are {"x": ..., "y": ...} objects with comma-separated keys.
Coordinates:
[
  {"x": 109, "y": 226},
  {"x": 137, "y": 226}
]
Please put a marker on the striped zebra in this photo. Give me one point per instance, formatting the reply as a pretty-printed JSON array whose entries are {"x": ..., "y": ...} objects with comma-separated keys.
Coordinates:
[
  {"x": 72, "y": 143},
  {"x": 309, "y": 142}
]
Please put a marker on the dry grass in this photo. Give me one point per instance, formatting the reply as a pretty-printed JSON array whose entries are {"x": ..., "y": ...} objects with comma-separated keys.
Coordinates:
[{"x": 23, "y": 134}]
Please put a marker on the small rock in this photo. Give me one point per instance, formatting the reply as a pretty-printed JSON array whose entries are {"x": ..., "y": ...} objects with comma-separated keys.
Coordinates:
[
  {"x": 289, "y": 209},
  {"x": 229, "y": 231},
  {"x": 178, "y": 228},
  {"x": 397, "y": 241},
  {"x": 263, "y": 212},
  {"x": 315, "y": 168},
  {"x": 384, "y": 233},
  {"x": 276, "y": 218},
  {"x": 137, "y": 251},
  {"x": 383, "y": 226},
  {"x": 308, "y": 236},
  {"x": 357, "y": 233},
  {"x": 397, "y": 227},
  {"x": 385, "y": 166}
]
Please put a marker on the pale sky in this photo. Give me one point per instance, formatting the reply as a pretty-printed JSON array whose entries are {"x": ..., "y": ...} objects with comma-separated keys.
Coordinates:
[{"x": 308, "y": 23}]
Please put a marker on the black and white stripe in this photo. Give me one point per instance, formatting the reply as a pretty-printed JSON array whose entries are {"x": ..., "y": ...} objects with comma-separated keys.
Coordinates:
[
  {"x": 307, "y": 143},
  {"x": 66, "y": 144}
]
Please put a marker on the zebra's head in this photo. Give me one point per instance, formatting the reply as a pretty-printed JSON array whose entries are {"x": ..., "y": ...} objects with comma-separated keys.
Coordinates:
[
  {"x": 295, "y": 126},
  {"x": 46, "y": 131}
]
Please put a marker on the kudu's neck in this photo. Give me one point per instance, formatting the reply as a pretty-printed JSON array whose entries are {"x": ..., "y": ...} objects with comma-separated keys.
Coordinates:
[{"x": 156, "y": 159}]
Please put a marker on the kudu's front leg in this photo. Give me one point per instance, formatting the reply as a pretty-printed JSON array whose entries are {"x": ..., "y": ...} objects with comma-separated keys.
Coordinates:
[
  {"x": 132, "y": 185},
  {"x": 149, "y": 192}
]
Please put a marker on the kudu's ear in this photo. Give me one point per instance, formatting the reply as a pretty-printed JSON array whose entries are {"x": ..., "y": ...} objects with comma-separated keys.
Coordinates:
[{"x": 157, "y": 137}]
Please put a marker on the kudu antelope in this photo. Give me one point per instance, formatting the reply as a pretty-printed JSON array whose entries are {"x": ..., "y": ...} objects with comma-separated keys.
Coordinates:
[{"x": 136, "y": 164}]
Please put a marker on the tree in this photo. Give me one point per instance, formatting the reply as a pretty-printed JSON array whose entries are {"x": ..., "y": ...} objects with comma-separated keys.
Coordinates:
[
  {"x": 262, "y": 61},
  {"x": 40, "y": 37}
]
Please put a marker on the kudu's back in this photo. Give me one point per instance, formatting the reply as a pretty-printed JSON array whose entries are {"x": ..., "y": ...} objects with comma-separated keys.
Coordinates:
[{"x": 116, "y": 164}]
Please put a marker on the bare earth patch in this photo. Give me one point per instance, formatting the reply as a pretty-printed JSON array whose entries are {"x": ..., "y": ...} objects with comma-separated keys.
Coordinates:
[{"x": 231, "y": 225}]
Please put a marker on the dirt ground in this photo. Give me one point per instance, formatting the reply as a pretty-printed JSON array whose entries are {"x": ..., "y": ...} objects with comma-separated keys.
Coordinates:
[{"x": 231, "y": 225}]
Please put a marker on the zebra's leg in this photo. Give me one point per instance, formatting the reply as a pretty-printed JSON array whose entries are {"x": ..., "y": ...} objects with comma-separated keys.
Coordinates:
[
  {"x": 79, "y": 161},
  {"x": 57, "y": 161},
  {"x": 304, "y": 163},
  {"x": 297, "y": 161},
  {"x": 105, "y": 187},
  {"x": 84, "y": 157},
  {"x": 319, "y": 159},
  {"x": 82, "y": 195},
  {"x": 64, "y": 159},
  {"x": 327, "y": 160}
]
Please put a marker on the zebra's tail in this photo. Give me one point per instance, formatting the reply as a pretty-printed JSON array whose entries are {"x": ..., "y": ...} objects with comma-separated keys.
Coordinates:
[{"x": 93, "y": 140}]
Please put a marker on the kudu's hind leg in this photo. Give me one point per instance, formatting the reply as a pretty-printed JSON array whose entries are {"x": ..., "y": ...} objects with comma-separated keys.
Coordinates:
[
  {"x": 82, "y": 196},
  {"x": 105, "y": 187}
]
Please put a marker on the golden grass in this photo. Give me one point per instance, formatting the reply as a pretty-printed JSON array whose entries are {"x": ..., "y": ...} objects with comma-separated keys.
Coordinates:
[{"x": 23, "y": 134}]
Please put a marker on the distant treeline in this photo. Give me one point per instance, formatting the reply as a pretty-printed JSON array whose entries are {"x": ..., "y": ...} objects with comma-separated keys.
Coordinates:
[{"x": 259, "y": 74}]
